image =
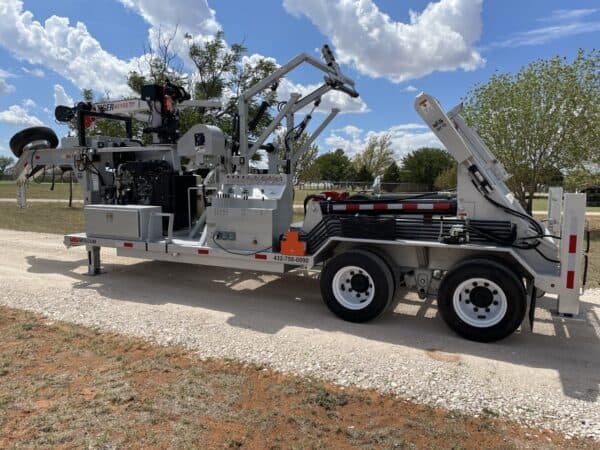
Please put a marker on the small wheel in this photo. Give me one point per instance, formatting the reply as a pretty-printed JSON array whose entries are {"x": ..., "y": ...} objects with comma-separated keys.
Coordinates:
[
  {"x": 357, "y": 285},
  {"x": 482, "y": 300},
  {"x": 30, "y": 135}
]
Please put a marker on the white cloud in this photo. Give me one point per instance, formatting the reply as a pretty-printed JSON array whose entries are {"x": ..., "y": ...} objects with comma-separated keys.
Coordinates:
[
  {"x": 29, "y": 103},
  {"x": 193, "y": 17},
  {"x": 61, "y": 97},
  {"x": 333, "y": 99},
  {"x": 68, "y": 50},
  {"x": 35, "y": 72},
  {"x": 6, "y": 88},
  {"x": 405, "y": 138},
  {"x": 562, "y": 23},
  {"x": 559, "y": 15},
  {"x": 410, "y": 88},
  {"x": 441, "y": 37},
  {"x": 17, "y": 115}
]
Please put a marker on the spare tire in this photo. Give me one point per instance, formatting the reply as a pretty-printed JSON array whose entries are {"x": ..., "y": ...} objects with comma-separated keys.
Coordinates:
[{"x": 25, "y": 137}]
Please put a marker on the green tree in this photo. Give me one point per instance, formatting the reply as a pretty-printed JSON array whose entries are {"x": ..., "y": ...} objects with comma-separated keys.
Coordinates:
[
  {"x": 582, "y": 178},
  {"x": 305, "y": 169},
  {"x": 376, "y": 156},
  {"x": 543, "y": 118},
  {"x": 5, "y": 162},
  {"x": 425, "y": 164},
  {"x": 334, "y": 166},
  {"x": 222, "y": 73},
  {"x": 446, "y": 179},
  {"x": 363, "y": 174},
  {"x": 392, "y": 174}
]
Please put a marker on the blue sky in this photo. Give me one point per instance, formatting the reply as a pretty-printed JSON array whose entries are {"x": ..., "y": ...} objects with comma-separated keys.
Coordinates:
[{"x": 50, "y": 50}]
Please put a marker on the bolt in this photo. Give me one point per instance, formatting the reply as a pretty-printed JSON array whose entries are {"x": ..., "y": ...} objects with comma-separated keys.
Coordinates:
[
  {"x": 487, "y": 309},
  {"x": 475, "y": 308},
  {"x": 495, "y": 303}
]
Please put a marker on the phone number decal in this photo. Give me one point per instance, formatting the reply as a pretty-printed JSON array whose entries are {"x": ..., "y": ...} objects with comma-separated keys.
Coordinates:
[{"x": 291, "y": 259}]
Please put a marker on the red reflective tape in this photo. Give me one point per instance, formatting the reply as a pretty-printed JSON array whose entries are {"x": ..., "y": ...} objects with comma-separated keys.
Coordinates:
[
  {"x": 352, "y": 207},
  {"x": 260, "y": 256},
  {"x": 570, "y": 279},
  {"x": 37, "y": 157},
  {"x": 410, "y": 206},
  {"x": 203, "y": 251},
  {"x": 438, "y": 206},
  {"x": 572, "y": 243},
  {"x": 73, "y": 239},
  {"x": 380, "y": 206},
  {"x": 128, "y": 244}
]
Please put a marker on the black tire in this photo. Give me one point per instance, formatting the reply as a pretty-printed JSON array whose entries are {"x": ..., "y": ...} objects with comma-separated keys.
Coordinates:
[
  {"x": 25, "y": 137},
  {"x": 370, "y": 265},
  {"x": 511, "y": 294}
]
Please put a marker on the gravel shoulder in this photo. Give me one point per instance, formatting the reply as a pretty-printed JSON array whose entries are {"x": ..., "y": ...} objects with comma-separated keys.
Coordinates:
[{"x": 549, "y": 377}]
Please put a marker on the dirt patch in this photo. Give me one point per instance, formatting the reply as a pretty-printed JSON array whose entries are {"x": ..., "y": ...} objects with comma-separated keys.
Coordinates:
[
  {"x": 66, "y": 386},
  {"x": 442, "y": 356}
]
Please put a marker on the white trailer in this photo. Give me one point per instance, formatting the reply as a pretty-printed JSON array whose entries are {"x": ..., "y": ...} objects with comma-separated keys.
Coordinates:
[{"x": 478, "y": 252}]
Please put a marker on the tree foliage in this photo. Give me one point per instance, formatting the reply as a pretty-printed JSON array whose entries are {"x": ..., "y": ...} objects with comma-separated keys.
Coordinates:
[
  {"x": 305, "y": 169},
  {"x": 376, "y": 156},
  {"x": 543, "y": 118},
  {"x": 392, "y": 174},
  {"x": 446, "y": 179},
  {"x": 5, "y": 162},
  {"x": 425, "y": 164},
  {"x": 334, "y": 166},
  {"x": 363, "y": 175}
]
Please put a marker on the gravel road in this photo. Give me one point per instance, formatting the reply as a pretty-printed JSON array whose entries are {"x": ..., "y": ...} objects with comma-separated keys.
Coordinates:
[{"x": 549, "y": 377}]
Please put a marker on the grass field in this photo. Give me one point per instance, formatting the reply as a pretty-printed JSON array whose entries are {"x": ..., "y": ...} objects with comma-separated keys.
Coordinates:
[
  {"x": 66, "y": 386},
  {"x": 42, "y": 191},
  {"x": 61, "y": 192}
]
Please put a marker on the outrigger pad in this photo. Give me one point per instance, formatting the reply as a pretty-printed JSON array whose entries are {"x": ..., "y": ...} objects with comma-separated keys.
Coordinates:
[{"x": 25, "y": 137}]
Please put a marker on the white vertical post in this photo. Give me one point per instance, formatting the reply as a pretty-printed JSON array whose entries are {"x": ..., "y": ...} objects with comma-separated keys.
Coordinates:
[
  {"x": 21, "y": 194},
  {"x": 571, "y": 254},
  {"x": 555, "y": 195}
]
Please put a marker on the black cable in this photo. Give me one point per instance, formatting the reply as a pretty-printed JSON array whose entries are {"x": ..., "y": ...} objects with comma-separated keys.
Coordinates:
[
  {"x": 238, "y": 253},
  {"x": 545, "y": 257}
]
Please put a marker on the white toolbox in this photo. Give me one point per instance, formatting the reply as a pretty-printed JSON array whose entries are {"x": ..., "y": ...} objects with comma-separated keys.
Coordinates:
[{"x": 135, "y": 222}]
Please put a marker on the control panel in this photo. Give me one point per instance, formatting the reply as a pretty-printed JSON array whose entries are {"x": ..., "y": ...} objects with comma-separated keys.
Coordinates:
[{"x": 254, "y": 186}]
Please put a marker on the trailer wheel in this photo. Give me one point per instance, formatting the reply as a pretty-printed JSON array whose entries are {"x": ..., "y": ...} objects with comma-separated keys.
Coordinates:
[
  {"x": 482, "y": 300},
  {"x": 357, "y": 285}
]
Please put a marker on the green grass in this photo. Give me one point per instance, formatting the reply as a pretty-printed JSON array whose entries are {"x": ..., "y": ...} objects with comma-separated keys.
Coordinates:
[
  {"x": 8, "y": 189},
  {"x": 42, "y": 218},
  {"x": 61, "y": 192}
]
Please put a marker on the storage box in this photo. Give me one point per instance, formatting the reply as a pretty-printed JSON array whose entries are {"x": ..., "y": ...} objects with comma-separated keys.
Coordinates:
[{"x": 124, "y": 222}]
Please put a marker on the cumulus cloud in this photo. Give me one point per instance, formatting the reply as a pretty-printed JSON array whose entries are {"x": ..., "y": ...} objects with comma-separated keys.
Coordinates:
[
  {"x": 410, "y": 88},
  {"x": 441, "y": 37},
  {"x": 29, "y": 103},
  {"x": 188, "y": 17},
  {"x": 333, "y": 99},
  {"x": 61, "y": 97},
  {"x": 405, "y": 138},
  {"x": 70, "y": 51},
  {"x": 17, "y": 115}
]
